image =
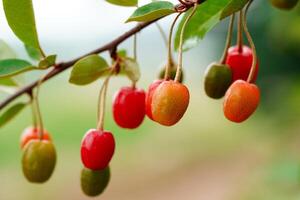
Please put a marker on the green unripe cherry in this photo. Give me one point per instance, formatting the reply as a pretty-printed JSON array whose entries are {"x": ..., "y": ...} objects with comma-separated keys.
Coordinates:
[
  {"x": 38, "y": 162},
  {"x": 218, "y": 78},
  {"x": 93, "y": 183},
  {"x": 284, "y": 4},
  {"x": 173, "y": 71}
]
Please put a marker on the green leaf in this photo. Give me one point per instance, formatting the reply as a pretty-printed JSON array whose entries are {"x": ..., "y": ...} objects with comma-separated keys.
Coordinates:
[
  {"x": 152, "y": 11},
  {"x": 122, "y": 53},
  {"x": 8, "y": 89},
  {"x": 33, "y": 53},
  {"x": 233, "y": 6},
  {"x": 88, "y": 70},
  {"x": 20, "y": 17},
  {"x": 128, "y": 3},
  {"x": 7, "y": 82},
  {"x": 6, "y": 51},
  {"x": 130, "y": 68},
  {"x": 9, "y": 114},
  {"x": 11, "y": 67},
  {"x": 208, "y": 14},
  {"x": 47, "y": 62}
]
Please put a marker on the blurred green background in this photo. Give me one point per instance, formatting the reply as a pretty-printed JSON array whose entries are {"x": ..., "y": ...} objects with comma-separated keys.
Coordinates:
[{"x": 202, "y": 157}]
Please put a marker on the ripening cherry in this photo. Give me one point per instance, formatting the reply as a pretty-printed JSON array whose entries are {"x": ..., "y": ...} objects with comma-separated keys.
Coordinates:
[
  {"x": 241, "y": 101},
  {"x": 149, "y": 95},
  {"x": 97, "y": 149},
  {"x": 93, "y": 183},
  {"x": 284, "y": 4},
  {"x": 31, "y": 133},
  {"x": 129, "y": 107},
  {"x": 217, "y": 80},
  {"x": 170, "y": 100},
  {"x": 38, "y": 162},
  {"x": 240, "y": 63}
]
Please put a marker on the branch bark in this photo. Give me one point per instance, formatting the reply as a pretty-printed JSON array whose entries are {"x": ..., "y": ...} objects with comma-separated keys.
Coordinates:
[{"x": 60, "y": 67}]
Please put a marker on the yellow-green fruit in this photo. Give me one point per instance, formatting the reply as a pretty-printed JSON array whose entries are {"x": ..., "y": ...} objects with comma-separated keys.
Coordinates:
[
  {"x": 172, "y": 74},
  {"x": 93, "y": 183},
  {"x": 218, "y": 78},
  {"x": 284, "y": 4},
  {"x": 38, "y": 162}
]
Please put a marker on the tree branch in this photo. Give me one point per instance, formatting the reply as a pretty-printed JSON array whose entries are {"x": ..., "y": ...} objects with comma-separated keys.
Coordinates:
[{"x": 60, "y": 67}]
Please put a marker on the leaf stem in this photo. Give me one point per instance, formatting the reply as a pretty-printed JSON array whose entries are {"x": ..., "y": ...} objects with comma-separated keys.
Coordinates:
[
  {"x": 180, "y": 52},
  {"x": 251, "y": 42},
  {"x": 170, "y": 61},
  {"x": 228, "y": 40}
]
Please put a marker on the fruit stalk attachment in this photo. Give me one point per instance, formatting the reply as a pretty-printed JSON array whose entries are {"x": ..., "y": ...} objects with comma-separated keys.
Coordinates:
[{"x": 228, "y": 40}]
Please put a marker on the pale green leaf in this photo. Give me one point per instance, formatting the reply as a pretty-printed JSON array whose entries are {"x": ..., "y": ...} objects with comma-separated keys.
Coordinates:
[
  {"x": 20, "y": 17},
  {"x": 130, "y": 68},
  {"x": 7, "y": 81},
  {"x": 47, "y": 62},
  {"x": 6, "y": 51},
  {"x": 128, "y": 3},
  {"x": 152, "y": 11},
  {"x": 12, "y": 67},
  {"x": 88, "y": 70},
  {"x": 33, "y": 53},
  {"x": 10, "y": 113}
]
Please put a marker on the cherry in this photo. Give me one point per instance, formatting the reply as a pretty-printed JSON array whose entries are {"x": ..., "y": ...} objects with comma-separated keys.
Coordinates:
[
  {"x": 241, "y": 100},
  {"x": 169, "y": 102},
  {"x": 97, "y": 149},
  {"x": 284, "y": 4},
  {"x": 129, "y": 107},
  {"x": 31, "y": 133},
  {"x": 149, "y": 96},
  {"x": 240, "y": 63},
  {"x": 217, "y": 80},
  {"x": 93, "y": 183},
  {"x": 38, "y": 162}
]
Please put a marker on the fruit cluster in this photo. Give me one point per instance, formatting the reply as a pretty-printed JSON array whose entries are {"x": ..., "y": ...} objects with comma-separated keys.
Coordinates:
[{"x": 165, "y": 102}]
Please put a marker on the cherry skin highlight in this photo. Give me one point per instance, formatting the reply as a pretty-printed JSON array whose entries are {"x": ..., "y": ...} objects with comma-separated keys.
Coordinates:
[
  {"x": 97, "y": 149},
  {"x": 149, "y": 96},
  {"x": 170, "y": 100},
  {"x": 241, "y": 63},
  {"x": 129, "y": 107},
  {"x": 241, "y": 101},
  {"x": 32, "y": 133}
]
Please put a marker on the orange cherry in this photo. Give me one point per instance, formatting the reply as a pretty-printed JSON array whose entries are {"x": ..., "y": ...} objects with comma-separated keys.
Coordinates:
[
  {"x": 241, "y": 101},
  {"x": 170, "y": 100}
]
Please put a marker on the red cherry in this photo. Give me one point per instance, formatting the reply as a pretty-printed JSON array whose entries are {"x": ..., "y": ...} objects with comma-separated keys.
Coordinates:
[
  {"x": 32, "y": 133},
  {"x": 169, "y": 102},
  {"x": 241, "y": 101},
  {"x": 149, "y": 95},
  {"x": 240, "y": 63},
  {"x": 129, "y": 107},
  {"x": 97, "y": 149}
]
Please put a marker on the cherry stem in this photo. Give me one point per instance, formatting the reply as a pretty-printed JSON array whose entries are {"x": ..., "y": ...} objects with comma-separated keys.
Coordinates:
[
  {"x": 37, "y": 108},
  {"x": 33, "y": 111},
  {"x": 250, "y": 40},
  {"x": 240, "y": 32},
  {"x": 180, "y": 52},
  {"x": 162, "y": 33},
  {"x": 228, "y": 40},
  {"x": 102, "y": 98},
  {"x": 170, "y": 61},
  {"x": 135, "y": 47}
]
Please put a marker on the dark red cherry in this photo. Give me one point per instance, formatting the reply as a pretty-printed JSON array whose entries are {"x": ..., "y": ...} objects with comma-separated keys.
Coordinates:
[
  {"x": 240, "y": 63},
  {"x": 129, "y": 107},
  {"x": 97, "y": 149},
  {"x": 149, "y": 96}
]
